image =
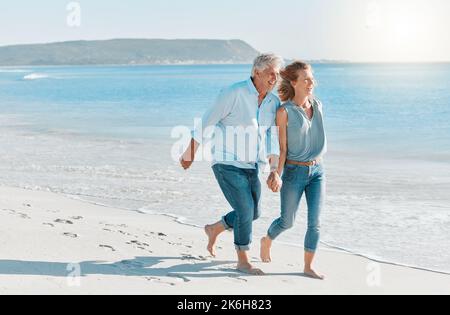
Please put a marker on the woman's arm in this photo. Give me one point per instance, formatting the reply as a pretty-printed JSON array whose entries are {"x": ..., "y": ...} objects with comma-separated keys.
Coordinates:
[
  {"x": 282, "y": 119},
  {"x": 274, "y": 181}
]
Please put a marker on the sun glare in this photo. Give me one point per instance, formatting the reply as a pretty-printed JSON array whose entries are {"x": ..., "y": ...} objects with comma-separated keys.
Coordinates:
[
  {"x": 407, "y": 25},
  {"x": 403, "y": 27}
]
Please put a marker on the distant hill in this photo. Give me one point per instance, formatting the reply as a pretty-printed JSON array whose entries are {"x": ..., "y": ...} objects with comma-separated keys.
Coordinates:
[{"x": 128, "y": 52}]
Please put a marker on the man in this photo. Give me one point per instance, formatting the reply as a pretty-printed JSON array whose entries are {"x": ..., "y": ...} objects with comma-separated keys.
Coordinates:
[{"x": 245, "y": 139}]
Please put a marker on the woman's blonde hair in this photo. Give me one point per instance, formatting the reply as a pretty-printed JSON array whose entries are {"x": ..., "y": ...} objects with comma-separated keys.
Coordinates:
[{"x": 288, "y": 75}]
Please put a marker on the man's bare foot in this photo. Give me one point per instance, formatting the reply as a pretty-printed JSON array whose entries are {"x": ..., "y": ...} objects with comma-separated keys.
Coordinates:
[
  {"x": 266, "y": 244},
  {"x": 249, "y": 269},
  {"x": 212, "y": 234},
  {"x": 313, "y": 274}
]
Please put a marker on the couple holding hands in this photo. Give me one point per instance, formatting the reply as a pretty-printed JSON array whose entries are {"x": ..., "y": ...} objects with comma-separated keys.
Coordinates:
[{"x": 288, "y": 133}]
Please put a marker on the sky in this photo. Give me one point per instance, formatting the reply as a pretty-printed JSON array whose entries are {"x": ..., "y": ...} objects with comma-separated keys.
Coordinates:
[{"x": 351, "y": 30}]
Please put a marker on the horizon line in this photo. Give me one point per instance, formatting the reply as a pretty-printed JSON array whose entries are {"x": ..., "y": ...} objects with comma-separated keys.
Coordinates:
[{"x": 312, "y": 60}]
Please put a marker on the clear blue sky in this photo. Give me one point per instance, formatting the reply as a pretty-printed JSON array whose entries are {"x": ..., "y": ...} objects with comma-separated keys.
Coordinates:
[{"x": 358, "y": 30}]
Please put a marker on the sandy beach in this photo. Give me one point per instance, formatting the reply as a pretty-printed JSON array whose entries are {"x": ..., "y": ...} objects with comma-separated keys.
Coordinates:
[{"x": 51, "y": 244}]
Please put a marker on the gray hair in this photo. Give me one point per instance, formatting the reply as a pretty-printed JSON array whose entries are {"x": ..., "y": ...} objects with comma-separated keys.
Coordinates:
[{"x": 264, "y": 61}]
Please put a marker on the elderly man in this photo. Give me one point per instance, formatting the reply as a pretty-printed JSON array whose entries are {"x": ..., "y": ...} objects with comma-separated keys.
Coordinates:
[{"x": 243, "y": 118}]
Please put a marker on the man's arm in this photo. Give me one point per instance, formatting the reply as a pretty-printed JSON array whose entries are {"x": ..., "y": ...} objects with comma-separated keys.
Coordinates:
[
  {"x": 221, "y": 108},
  {"x": 188, "y": 156}
]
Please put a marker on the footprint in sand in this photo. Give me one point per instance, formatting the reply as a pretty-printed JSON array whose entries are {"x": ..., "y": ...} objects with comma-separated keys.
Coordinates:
[
  {"x": 48, "y": 224},
  {"x": 135, "y": 242},
  {"x": 192, "y": 257},
  {"x": 127, "y": 234},
  {"x": 158, "y": 280},
  {"x": 72, "y": 235},
  {"x": 113, "y": 225},
  {"x": 77, "y": 218},
  {"x": 63, "y": 221},
  {"x": 238, "y": 278},
  {"x": 14, "y": 212},
  {"x": 174, "y": 275},
  {"x": 130, "y": 264},
  {"x": 107, "y": 247},
  {"x": 139, "y": 245},
  {"x": 143, "y": 248},
  {"x": 23, "y": 216}
]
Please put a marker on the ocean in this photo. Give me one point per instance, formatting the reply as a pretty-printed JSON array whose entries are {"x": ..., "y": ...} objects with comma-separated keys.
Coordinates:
[{"x": 103, "y": 135}]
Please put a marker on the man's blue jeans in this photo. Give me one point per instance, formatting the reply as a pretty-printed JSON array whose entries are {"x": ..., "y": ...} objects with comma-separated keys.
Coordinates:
[{"x": 242, "y": 189}]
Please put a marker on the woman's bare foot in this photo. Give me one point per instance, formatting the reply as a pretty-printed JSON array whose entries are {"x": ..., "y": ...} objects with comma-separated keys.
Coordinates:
[
  {"x": 249, "y": 269},
  {"x": 266, "y": 244},
  {"x": 213, "y": 231},
  {"x": 309, "y": 272},
  {"x": 313, "y": 274}
]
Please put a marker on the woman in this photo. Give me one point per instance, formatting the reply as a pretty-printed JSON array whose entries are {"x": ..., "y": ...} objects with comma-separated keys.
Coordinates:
[{"x": 302, "y": 145}]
